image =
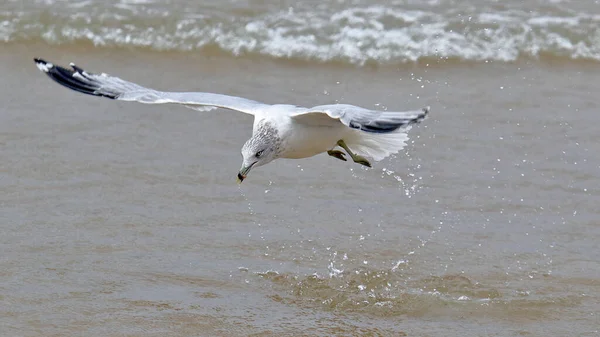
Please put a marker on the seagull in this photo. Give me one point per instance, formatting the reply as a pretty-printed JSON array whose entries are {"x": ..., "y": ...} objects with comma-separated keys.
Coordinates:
[{"x": 279, "y": 130}]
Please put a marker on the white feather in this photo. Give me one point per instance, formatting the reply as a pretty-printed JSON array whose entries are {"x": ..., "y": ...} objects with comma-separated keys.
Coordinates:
[{"x": 377, "y": 145}]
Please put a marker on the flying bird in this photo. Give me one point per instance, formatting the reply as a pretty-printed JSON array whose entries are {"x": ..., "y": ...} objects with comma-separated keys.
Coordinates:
[{"x": 279, "y": 130}]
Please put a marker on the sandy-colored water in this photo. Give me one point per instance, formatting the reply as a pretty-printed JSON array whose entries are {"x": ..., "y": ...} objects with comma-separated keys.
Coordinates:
[{"x": 119, "y": 219}]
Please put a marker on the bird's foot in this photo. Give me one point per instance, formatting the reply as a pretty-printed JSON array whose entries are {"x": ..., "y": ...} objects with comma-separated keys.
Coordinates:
[
  {"x": 357, "y": 159},
  {"x": 361, "y": 160},
  {"x": 337, "y": 154}
]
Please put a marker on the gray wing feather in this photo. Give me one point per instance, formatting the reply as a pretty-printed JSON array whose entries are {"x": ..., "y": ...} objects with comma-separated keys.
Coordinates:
[
  {"x": 115, "y": 88},
  {"x": 364, "y": 119}
]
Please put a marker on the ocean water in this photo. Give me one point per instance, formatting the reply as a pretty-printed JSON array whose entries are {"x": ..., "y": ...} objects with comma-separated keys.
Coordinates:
[
  {"x": 356, "y": 32},
  {"x": 122, "y": 219}
]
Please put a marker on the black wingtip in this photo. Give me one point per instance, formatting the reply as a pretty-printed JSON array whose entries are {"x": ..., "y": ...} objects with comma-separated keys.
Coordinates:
[
  {"x": 385, "y": 127},
  {"x": 379, "y": 127},
  {"x": 426, "y": 110},
  {"x": 43, "y": 65},
  {"x": 76, "y": 68},
  {"x": 82, "y": 83}
]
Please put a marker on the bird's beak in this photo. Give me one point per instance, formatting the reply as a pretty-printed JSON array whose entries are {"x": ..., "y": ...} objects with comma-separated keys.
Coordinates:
[{"x": 244, "y": 172}]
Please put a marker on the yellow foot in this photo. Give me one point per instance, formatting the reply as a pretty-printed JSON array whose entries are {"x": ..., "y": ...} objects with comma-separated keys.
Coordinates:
[
  {"x": 337, "y": 154},
  {"x": 357, "y": 159},
  {"x": 361, "y": 160}
]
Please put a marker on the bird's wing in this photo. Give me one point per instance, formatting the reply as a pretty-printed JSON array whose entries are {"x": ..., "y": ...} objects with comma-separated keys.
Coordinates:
[
  {"x": 362, "y": 119},
  {"x": 115, "y": 88}
]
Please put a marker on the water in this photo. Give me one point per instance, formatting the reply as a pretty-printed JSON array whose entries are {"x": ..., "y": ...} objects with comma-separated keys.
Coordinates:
[
  {"x": 125, "y": 219},
  {"x": 357, "y": 32}
]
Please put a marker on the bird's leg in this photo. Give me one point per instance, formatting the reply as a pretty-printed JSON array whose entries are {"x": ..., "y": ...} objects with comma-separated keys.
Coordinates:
[
  {"x": 357, "y": 159},
  {"x": 337, "y": 154}
]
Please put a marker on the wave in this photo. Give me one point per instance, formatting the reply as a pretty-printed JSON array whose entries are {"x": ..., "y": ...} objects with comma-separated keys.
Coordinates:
[
  {"x": 386, "y": 293},
  {"x": 371, "y": 34}
]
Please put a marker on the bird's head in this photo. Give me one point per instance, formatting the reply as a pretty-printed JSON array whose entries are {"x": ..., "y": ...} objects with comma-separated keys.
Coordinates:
[{"x": 260, "y": 149}]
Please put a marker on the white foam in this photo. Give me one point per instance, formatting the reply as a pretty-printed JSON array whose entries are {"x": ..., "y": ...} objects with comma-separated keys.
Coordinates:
[
  {"x": 545, "y": 21},
  {"x": 487, "y": 18},
  {"x": 356, "y": 35}
]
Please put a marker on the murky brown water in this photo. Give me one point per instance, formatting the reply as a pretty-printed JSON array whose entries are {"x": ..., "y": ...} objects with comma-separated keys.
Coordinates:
[{"x": 120, "y": 219}]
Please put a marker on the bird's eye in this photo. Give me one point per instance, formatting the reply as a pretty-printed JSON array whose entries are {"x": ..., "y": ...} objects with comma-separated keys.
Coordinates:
[{"x": 259, "y": 153}]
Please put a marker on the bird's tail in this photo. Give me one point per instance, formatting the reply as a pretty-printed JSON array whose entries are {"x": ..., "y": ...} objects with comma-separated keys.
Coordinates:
[
  {"x": 377, "y": 145},
  {"x": 380, "y": 145}
]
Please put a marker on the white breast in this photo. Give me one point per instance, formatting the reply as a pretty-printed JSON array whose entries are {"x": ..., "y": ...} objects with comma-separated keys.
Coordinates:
[{"x": 301, "y": 141}]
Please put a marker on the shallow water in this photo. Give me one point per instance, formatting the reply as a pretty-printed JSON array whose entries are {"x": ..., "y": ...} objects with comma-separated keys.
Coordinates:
[{"x": 125, "y": 219}]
